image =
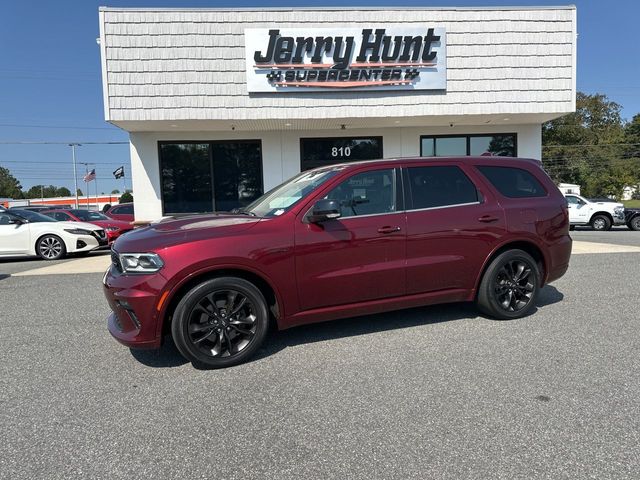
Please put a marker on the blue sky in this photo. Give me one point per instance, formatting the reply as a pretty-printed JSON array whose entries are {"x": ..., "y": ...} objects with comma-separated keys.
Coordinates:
[{"x": 50, "y": 83}]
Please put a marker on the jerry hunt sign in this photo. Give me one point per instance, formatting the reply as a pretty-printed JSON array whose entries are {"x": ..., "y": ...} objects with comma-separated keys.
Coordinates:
[{"x": 296, "y": 59}]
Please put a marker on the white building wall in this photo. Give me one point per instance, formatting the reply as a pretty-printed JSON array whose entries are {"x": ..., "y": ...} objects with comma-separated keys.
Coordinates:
[{"x": 281, "y": 152}]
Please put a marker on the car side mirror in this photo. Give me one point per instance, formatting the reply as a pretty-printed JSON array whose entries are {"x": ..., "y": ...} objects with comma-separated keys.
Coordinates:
[
  {"x": 15, "y": 221},
  {"x": 325, "y": 209}
]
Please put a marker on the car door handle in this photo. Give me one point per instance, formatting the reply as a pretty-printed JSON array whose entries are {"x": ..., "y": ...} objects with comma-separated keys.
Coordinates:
[
  {"x": 488, "y": 219},
  {"x": 388, "y": 229}
]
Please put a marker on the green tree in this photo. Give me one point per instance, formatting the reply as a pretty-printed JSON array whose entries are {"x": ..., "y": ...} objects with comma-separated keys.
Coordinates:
[
  {"x": 115, "y": 191},
  {"x": 9, "y": 185},
  {"x": 63, "y": 192},
  {"x": 584, "y": 147},
  {"x": 126, "y": 198},
  {"x": 80, "y": 192}
]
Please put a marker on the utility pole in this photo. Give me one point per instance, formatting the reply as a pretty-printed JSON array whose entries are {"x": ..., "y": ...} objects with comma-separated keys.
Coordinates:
[{"x": 75, "y": 172}]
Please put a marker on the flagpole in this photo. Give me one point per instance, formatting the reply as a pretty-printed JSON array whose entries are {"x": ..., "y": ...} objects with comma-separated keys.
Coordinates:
[{"x": 96, "y": 180}]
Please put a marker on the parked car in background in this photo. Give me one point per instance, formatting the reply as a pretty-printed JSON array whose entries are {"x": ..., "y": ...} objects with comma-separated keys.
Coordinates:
[
  {"x": 123, "y": 212},
  {"x": 341, "y": 241},
  {"x": 32, "y": 208},
  {"x": 632, "y": 218},
  {"x": 599, "y": 215},
  {"x": 114, "y": 228},
  {"x": 23, "y": 232}
]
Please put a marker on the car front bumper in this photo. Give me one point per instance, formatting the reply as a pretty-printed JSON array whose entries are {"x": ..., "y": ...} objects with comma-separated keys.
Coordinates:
[{"x": 135, "y": 318}]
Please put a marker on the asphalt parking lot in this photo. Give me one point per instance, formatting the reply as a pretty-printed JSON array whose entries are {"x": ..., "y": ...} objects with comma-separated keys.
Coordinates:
[{"x": 435, "y": 392}]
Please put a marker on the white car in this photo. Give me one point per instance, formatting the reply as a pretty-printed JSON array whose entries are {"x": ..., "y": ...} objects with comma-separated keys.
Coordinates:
[
  {"x": 29, "y": 233},
  {"x": 600, "y": 215}
]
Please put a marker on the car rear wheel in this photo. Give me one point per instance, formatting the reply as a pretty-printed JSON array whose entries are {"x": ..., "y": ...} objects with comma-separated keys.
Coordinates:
[
  {"x": 510, "y": 286},
  {"x": 634, "y": 223},
  {"x": 220, "y": 323},
  {"x": 601, "y": 222},
  {"x": 50, "y": 247}
]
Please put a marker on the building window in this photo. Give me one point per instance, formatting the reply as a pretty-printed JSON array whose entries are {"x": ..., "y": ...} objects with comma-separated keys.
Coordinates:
[
  {"x": 318, "y": 152},
  {"x": 203, "y": 177},
  {"x": 501, "y": 144}
]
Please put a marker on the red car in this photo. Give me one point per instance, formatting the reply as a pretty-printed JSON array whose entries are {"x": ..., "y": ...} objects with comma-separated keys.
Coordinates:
[
  {"x": 341, "y": 241},
  {"x": 114, "y": 228},
  {"x": 123, "y": 211}
]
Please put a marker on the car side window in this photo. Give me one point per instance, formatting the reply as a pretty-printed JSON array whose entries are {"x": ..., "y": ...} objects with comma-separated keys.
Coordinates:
[
  {"x": 60, "y": 216},
  {"x": 573, "y": 200},
  {"x": 439, "y": 186},
  {"x": 367, "y": 193},
  {"x": 125, "y": 210},
  {"x": 513, "y": 182},
  {"x": 5, "y": 218}
]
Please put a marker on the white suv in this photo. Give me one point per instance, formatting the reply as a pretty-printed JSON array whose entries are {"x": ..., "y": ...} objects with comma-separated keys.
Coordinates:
[{"x": 600, "y": 215}]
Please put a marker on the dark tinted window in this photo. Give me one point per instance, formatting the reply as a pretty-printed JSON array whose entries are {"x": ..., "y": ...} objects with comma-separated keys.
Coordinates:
[
  {"x": 60, "y": 216},
  {"x": 186, "y": 178},
  {"x": 366, "y": 193},
  {"x": 124, "y": 210},
  {"x": 513, "y": 182},
  {"x": 317, "y": 152},
  {"x": 210, "y": 176},
  {"x": 237, "y": 174},
  {"x": 502, "y": 144},
  {"x": 439, "y": 186}
]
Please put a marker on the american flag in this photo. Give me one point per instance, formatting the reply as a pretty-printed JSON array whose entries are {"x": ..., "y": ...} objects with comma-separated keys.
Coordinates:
[{"x": 90, "y": 176}]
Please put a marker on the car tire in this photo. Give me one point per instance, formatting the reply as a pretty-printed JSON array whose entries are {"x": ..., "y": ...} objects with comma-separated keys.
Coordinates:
[
  {"x": 220, "y": 323},
  {"x": 50, "y": 247},
  {"x": 601, "y": 223},
  {"x": 634, "y": 223},
  {"x": 510, "y": 285}
]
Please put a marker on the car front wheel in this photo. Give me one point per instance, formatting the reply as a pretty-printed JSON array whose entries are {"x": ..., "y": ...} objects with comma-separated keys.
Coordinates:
[
  {"x": 51, "y": 247},
  {"x": 510, "y": 285},
  {"x": 220, "y": 323}
]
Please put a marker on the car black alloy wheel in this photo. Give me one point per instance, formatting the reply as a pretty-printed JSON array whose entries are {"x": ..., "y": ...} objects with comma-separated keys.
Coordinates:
[
  {"x": 220, "y": 322},
  {"x": 50, "y": 247},
  {"x": 509, "y": 286},
  {"x": 513, "y": 289}
]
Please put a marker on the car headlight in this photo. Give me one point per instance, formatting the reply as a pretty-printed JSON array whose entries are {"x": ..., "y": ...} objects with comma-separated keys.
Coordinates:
[
  {"x": 619, "y": 209},
  {"x": 140, "y": 262},
  {"x": 112, "y": 229},
  {"x": 77, "y": 231}
]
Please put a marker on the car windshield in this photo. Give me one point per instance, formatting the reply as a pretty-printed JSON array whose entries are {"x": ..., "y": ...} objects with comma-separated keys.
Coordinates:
[
  {"x": 32, "y": 216},
  {"x": 283, "y": 197},
  {"x": 87, "y": 216}
]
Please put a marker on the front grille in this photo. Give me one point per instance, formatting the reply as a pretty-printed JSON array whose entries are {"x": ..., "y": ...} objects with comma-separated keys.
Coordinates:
[
  {"x": 115, "y": 261},
  {"x": 99, "y": 234}
]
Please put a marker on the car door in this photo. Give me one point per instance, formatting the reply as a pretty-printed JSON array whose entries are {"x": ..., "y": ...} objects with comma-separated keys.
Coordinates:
[
  {"x": 452, "y": 226},
  {"x": 359, "y": 256},
  {"x": 15, "y": 237},
  {"x": 578, "y": 210}
]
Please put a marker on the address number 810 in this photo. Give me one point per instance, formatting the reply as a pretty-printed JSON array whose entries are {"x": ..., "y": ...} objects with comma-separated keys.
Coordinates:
[{"x": 341, "y": 151}]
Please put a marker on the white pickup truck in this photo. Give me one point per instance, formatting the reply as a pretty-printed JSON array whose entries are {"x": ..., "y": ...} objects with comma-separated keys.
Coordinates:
[{"x": 600, "y": 215}]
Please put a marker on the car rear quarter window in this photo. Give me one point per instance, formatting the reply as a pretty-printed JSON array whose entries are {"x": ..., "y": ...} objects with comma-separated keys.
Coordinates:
[
  {"x": 439, "y": 186},
  {"x": 124, "y": 210},
  {"x": 513, "y": 182}
]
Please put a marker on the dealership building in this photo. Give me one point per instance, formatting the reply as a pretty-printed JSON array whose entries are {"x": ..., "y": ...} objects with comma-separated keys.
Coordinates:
[{"x": 222, "y": 105}]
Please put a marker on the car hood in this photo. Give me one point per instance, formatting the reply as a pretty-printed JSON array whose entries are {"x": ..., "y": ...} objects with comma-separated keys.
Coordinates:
[
  {"x": 121, "y": 224},
  {"x": 74, "y": 225},
  {"x": 172, "y": 231}
]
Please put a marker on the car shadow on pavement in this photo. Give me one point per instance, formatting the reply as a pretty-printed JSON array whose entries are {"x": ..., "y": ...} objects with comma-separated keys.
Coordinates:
[
  {"x": 4, "y": 275},
  {"x": 168, "y": 356}
]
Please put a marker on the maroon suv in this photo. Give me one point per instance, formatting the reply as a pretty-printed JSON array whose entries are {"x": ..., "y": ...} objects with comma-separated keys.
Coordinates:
[{"x": 337, "y": 242}]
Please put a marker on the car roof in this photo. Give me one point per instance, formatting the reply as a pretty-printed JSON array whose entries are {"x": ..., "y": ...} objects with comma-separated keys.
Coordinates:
[{"x": 472, "y": 160}]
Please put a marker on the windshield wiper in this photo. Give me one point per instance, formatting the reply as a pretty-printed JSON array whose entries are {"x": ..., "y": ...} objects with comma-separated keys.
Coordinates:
[{"x": 242, "y": 211}]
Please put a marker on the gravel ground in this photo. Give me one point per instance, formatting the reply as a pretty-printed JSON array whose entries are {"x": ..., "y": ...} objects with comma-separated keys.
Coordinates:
[{"x": 432, "y": 392}]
